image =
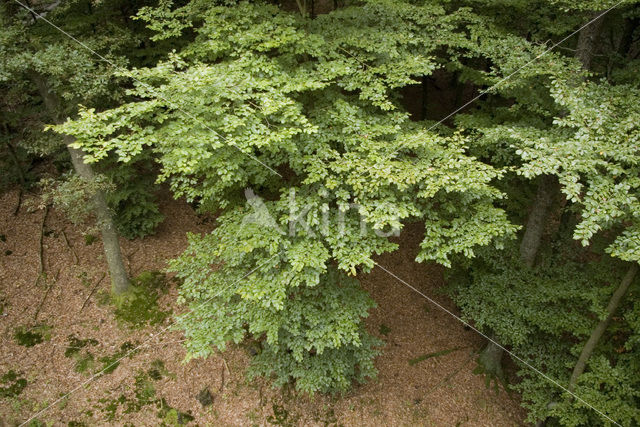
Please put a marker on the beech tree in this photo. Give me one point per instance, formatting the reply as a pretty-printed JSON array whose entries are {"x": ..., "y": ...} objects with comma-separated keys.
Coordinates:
[
  {"x": 294, "y": 128},
  {"x": 46, "y": 75},
  {"x": 287, "y": 105}
]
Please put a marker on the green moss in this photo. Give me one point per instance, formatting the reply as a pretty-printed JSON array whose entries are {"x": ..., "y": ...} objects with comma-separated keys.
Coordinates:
[
  {"x": 29, "y": 337},
  {"x": 103, "y": 298},
  {"x": 77, "y": 350},
  {"x": 158, "y": 370},
  {"x": 13, "y": 384},
  {"x": 143, "y": 395},
  {"x": 111, "y": 407},
  {"x": 89, "y": 239},
  {"x": 139, "y": 307},
  {"x": 173, "y": 417},
  {"x": 110, "y": 363},
  {"x": 84, "y": 278},
  {"x": 85, "y": 361},
  {"x": 281, "y": 416},
  {"x": 76, "y": 345},
  {"x": 384, "y": 329}
]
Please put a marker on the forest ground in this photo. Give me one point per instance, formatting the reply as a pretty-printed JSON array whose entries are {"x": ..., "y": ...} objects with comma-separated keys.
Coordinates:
[{"x": 79, "y": 334}]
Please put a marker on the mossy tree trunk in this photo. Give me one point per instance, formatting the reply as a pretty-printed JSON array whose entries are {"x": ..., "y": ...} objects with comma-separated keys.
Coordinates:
[{"x": 119, "y": 278}]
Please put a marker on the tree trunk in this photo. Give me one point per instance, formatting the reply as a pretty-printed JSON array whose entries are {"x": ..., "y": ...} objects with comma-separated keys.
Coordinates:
[
  {"x": 490, "y": 359},
  {"x": 534, "y": 229},
  {"x": 491, "y": 356},
  {"x": 598, "y": 331},
  {"x": 119, "y": 278},
  {"x": 626, "y": 40},
  {"x": 585, "y": 50}
]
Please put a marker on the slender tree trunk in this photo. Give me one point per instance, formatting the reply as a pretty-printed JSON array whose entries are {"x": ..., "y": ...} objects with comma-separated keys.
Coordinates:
[
  {"x": 119, "y": 278},
  {"x": 548, "y": 186},
  {"x": 598, "y": 331},
  {"x": 537, "y": 220}
]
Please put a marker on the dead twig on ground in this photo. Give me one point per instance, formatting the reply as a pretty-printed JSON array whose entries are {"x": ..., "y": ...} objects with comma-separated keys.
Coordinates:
[
  {"x": 75, "y": 255},
  {"x": 41, "y": 272},
  {"x": 222, "y": 377},
  {"x": 227, "y": 366},
  {"x": 128, "y": 258},
  {"x": 17, "y": 209},
  {"x": 46, "y": 293},
  {"x": 92, "y": 291}
]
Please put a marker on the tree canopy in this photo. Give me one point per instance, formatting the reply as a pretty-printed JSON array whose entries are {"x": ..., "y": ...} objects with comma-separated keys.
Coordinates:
[{"x": 293, "y": 124}]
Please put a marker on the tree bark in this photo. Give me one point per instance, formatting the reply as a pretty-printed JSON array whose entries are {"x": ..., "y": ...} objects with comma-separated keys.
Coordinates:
[
  {"x": 587, "y": 38},
  {"x": 548, "y": 187},
  {"x": 598, "y": 331},
  {"x": 534, "y": 229},
  {"x": 119, "y": 278},
  {"x": 490, "y": 359}
]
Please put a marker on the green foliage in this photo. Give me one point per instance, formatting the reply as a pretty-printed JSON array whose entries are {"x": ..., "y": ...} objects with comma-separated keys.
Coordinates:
[
  {"x": 262, "y": 87},
  {"x": 129, "y": 192},
  {"x": 545, "y": 315},
  {"x": 307, "y": 111},
  {"x": 74, "y": 196},
  {"x": 309, "y": 317},
  {"x": 132, "y": 199}
]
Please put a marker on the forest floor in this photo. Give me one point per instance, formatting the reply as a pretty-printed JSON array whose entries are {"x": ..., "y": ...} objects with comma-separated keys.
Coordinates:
[{"x": 56, "y": 332}]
